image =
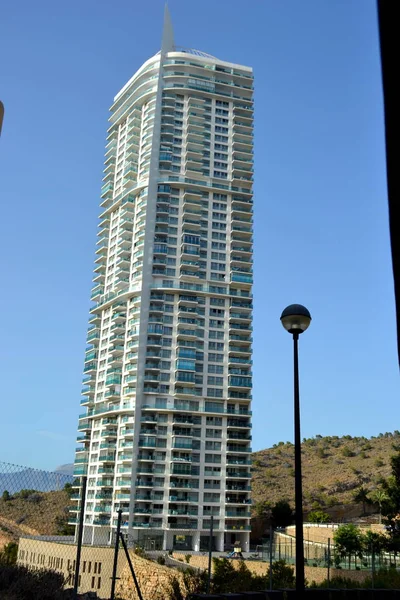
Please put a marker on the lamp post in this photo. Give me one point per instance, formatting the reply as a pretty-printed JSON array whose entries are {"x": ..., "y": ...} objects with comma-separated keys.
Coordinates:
[{"x": 296, "y": 319}]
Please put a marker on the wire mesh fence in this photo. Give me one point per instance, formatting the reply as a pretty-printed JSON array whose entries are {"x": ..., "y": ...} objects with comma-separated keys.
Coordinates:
[
  {"x": 39, "y": 531},
  {"x": 44, "y": 528},
  {"x": 317, "y": 554}
]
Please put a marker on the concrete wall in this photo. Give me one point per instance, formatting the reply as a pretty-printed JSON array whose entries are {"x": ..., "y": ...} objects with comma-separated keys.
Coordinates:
[
  {"x": 96, "y": 569},
  {"x": 96, "y": 562}
]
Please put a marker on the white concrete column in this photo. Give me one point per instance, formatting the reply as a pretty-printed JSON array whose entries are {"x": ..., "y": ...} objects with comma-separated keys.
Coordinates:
[
  {"x": 196, "y": 541},
  {"x": 168, "y": 540},
  {"x": 220, "y": 542}
]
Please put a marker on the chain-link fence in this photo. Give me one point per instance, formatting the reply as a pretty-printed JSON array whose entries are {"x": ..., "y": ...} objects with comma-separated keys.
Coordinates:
[
  {"x": 43, "y": 529},
  {"x": 319, "y": 554},
  {"x": 39, "y": 527}
]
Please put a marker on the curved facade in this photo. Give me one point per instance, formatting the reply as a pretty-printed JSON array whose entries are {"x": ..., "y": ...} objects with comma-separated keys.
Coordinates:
[{"x": 166, "y": 431}]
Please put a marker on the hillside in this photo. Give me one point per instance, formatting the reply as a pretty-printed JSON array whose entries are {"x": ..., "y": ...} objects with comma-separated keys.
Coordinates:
[
  {"x": 333, "y": 469},
  {"x": 40, "y": 513}
]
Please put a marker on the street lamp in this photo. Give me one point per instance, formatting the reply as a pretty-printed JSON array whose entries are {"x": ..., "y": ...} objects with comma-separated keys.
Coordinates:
[{"x": 296, "y": 319}]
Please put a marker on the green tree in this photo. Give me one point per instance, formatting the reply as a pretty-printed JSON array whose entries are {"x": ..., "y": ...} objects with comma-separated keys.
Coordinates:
[
  {"x": 348, "y": 541},
  {"x": 361, "y": 497},
  {"x": 63, "y": 527},
  {"x": 282, "y": 575},
  {"x": 226, "y": 578},
  {"x": 6, "y": 496},
  {"x": 380, "y": 497},
  {"x": 373, "y": 541},
  {"x": 318, "y": 516},
  {"x": 282, "y": 513},
  {"x": 9, "y": 554},
  {"x": 69, "y": 489},
  {"x": 261, "y": 508}
]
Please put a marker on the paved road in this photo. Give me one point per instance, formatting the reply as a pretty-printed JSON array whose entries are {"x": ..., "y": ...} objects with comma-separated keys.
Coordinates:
[{"x": 171, "y": 562}]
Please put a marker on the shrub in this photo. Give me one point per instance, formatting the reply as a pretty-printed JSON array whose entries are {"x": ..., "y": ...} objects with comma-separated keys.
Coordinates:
[
  {"x": 9, "y": 554},
  {"x": 62, "y": 525},
  {"x": 35, "y": 498},
  {"x": 69, "y": 489},
  {"x": 24, "y": 494},
  {"x": 6, "y": 496},
  {"x": 318, "y": 516},
  {"x": 161, "y": 560},
  {"x": 282, "y": 575},
  {"x": 282, "y": 513},
  {"x": 188, "y": 557},
  {"x": 346, "y": 451},
  {"x": 139, "y": 551},
  {"x": 19, "y": 582}
]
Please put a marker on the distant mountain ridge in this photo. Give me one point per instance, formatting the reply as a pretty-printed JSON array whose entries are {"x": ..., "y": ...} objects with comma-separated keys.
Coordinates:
[
  {"x": 67, "y": 469},
  {"x": 14, "y": 478}
]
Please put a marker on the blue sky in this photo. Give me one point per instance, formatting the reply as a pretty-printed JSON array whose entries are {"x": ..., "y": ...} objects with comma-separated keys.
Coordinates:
[{"x": 321, "y": 223}]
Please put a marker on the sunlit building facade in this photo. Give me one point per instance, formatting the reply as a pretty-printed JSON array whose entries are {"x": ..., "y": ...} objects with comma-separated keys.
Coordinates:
[{"x": 166, "y": 431}]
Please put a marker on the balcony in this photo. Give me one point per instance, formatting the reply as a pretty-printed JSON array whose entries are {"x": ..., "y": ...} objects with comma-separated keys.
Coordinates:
[
  {"x": 144, "y": 525},
  {"x": 236, "y": 526},
  {"x": 187, "y": 525},
  {"x": 102, "y": 521},
  {"x": 237, "y": 475},
  {"x": 237, "y": 448},
  {"x": 183, "y": 484}
]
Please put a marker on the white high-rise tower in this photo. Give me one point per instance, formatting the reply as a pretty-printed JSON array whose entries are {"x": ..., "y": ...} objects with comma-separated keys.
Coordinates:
[{"x": 166, "y": 433}]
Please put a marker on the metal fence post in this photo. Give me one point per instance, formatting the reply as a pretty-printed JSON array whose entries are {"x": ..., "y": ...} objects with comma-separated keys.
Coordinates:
[
  {"x": 210, "y": 549},
  {"x": 372, "y": 566},
  {"x": 115, "y": 565},
  {"x": 128, "y": 558},
  {"x": 329, "y": 562},
  {"x": 80, "y": 537},
  {"x": 271, "y": 540}
]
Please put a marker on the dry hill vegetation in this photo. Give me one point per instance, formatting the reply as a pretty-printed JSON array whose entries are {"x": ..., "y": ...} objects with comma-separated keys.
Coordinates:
[
  {"x": 334, "y": 469},
  {"x": 32, "y": 514}
]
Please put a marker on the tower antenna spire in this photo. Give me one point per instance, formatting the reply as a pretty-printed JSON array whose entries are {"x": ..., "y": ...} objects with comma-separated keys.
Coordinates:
[{"x": 167, "y": 43}]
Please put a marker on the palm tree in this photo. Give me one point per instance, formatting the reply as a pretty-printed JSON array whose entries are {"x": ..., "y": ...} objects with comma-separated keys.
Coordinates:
[
  {"x": 380, "y": 497},
  {"x": 362, "y": 496}
]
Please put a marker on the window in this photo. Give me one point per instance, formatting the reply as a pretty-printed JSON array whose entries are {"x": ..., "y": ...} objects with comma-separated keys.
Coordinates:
[
  {"x": 219, "y": 324},
  {"x": 218, "y": 266},
  {"x": 212, "y": 357},
  {"x": 218, "y": 246},
  {"x": 216, "y": 335},
  {"x": 211, "y": 380},
  {"x": 214, "y": 392},
  {"x": 215, "y": 369}
]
